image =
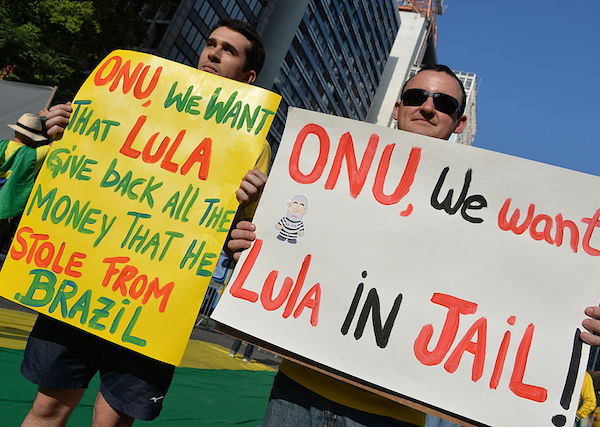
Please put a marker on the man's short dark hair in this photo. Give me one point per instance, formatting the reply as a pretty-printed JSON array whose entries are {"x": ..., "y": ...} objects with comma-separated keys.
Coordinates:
[
  {"x": 443, "y": 69},
  {"x": 255, "y": 54}
]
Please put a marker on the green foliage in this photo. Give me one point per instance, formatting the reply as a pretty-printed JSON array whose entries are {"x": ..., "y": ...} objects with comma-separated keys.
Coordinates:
[{"x": 58, "y": 42}]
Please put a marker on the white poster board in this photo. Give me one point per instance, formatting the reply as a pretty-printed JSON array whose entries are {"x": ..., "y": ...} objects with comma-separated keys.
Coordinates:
[{"x": 506, "y": 295}]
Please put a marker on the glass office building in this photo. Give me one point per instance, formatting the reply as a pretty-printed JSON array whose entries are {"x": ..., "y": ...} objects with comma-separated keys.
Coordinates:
[
  {"x": 179, "y": 31},
  {"x": 336, "y": 58},
  {"x": 333, "y": 65}
]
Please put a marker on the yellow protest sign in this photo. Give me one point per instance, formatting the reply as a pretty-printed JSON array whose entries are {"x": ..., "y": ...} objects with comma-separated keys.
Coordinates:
[{"x": 125, "y": 223}]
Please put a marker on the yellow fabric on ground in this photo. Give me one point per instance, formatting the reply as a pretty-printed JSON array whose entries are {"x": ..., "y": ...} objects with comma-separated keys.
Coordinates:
[
  {"x": 203, "y": 355},
  {"x": 14, "y": 328},
  {"x": 16, "y": 325}
]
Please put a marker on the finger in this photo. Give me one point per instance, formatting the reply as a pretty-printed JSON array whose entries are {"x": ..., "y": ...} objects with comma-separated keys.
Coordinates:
[
  {"x": 243, "y": 235},
  {"x": 248, "y": 188},
  {"x": 590, "y": 339},
  {"x": 593, "y": 312},
  {"x": 237, "y": 246},
  {"x": 256, "y": 177},
  {"x": 56, "y": 127},
  {"x": 60, "y": 110},
  {"x": 241, "y": 196},
  {"x": 245, "y": 225},
  {"x": 57, "y": 121}
]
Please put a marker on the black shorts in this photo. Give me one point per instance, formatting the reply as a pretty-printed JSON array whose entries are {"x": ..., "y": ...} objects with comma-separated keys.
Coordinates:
[{"x": 60, "y": 356}]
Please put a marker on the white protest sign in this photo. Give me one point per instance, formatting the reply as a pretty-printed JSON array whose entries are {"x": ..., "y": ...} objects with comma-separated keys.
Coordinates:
[{"x": 436, "y": 267}]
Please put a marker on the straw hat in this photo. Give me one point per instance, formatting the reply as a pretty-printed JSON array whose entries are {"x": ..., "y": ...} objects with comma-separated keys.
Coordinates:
[{"x": 29, "y": 125}]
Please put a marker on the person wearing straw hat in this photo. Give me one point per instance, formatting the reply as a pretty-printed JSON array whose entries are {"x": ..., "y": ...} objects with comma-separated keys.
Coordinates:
[{"x": 20, "y": 160}]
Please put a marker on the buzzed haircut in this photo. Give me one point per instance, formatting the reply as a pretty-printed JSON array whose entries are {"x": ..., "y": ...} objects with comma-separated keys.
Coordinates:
[
  {"x": 444, "y": 69},
  {"x": 255, "y": 54}
]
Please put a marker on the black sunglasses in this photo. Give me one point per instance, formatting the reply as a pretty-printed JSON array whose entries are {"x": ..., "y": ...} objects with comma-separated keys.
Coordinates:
[{"x": 443, "y": 103}]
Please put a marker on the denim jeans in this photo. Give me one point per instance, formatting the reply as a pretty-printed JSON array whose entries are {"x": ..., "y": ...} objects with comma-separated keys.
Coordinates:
[
  {"x": 433, "y": 421},
  {"x": 292, "y": 405}
]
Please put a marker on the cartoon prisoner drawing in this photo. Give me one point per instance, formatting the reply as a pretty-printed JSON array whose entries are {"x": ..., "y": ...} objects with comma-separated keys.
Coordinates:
[{"x": 291, "y": 225}]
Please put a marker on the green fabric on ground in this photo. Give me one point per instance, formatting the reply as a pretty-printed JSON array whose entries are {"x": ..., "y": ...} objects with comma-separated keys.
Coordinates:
[{"x": 196, "y": 397}]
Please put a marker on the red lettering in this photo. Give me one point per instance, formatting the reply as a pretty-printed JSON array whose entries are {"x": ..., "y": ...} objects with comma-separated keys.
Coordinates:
[
  {"x": 55, "y": 265},
  {"x": 236, "y": 288},
  {"x": 139, "y": 283},
  {"x": 592, "y": 224},
  {"x": 299, "y": 283},
  {"x": 356, "y": 175},
  {"x": 147, "y": 155},
  {"x": 142, "y": 282},
  {"x": 167, "y": 164},
  {"x": 157, "y": 292},
  {"x": 476, "y": 348},
  {"x": 126, "y": 148},
  {"x": 201, "y": 155},
  {"x": 512, "y": 224},
  {"x": 317, "y": 171},
  {"x": 74, "y": 263},
  {"x": 42, "y": 260},
  {"x": 15, "y": 253},
  {"x": 127, "y": 273},
  {"x": 36, "y": 238},
  {"x": 501, "y": 357},
  {"x": 456, "y": 307},
  {"x": 112, "y": 270},
  {"x": 266, "y": 294},
  {"x": 408, "y": 176},
  {"x": 311, "y": 300},
  {"x": 127, "y": 77},
  {"x": 560, "y": 226},
  {"x": 526, "y": 391},
  {"x": 545, "y": 234},
  {"x": 137, "y": 90},
  {"x": 101, "y": 81}
]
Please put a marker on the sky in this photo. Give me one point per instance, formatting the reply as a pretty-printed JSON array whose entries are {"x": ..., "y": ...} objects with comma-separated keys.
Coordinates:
[{"x": 538, "y": 64}]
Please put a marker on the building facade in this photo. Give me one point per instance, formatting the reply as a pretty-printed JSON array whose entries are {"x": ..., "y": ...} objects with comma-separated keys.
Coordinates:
[
  {"x": 322, "y": 55},
  {"x": 336, "y": 59},
  {"x": 415, "y": 46}
]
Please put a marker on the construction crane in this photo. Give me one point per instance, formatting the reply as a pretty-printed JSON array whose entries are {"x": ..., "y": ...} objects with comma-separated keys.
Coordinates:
[{"x": 428, "y": 8}]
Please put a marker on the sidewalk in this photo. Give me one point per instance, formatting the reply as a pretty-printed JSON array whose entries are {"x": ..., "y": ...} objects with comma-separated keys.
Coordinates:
[{"x": 209, "y": 388}]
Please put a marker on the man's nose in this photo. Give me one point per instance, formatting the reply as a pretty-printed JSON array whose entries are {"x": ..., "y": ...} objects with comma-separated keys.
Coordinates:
[
  {"x": 214, "y": 54},
  {"x": 428, "y": 105}
]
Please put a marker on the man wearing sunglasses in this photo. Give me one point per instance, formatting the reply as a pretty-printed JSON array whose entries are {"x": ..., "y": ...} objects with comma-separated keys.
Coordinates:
[{"x": 432, "y": 103}]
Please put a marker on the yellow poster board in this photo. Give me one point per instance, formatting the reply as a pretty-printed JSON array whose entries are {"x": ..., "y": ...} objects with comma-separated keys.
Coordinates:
[{"x": 127, "y": 218}]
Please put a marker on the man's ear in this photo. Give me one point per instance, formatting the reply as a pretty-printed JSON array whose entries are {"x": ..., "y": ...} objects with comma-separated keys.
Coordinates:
[
  {"x": 250, "y": 77},
  {"x": 460, "y": 125},
  {"x": 396, "y": 110}
]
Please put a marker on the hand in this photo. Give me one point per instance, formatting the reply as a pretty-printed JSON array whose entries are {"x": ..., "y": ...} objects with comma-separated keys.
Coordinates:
[
  {"x": 241, "y": 238},
  {"x": 251, "y": 186},
  {"x": 592, "y": 324},
  {"x": 57, "y": 119}
]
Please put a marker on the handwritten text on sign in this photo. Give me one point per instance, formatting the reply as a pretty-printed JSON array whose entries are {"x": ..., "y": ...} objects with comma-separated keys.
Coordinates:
[
  {"x": 423, "y": 266},
  {"x": 128, "y": 216}
]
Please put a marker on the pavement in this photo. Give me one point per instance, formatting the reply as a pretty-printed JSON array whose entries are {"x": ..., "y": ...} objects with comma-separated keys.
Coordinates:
[{"x": 209, "y": 387}]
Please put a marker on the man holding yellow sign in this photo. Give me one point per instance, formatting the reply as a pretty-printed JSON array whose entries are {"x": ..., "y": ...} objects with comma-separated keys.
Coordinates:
[{"x": 62, "y": 359}]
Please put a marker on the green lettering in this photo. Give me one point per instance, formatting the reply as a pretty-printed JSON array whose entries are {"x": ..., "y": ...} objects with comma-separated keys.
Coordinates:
[
  {"x": 62, "y": 296},
  {"x": 43, "y": 281},
  {"x": 82, "y": 305},
  {"x": 218, "y": 109},
  {"x": 127, "y": 335},
  {"x": 101, "y": 313}
]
